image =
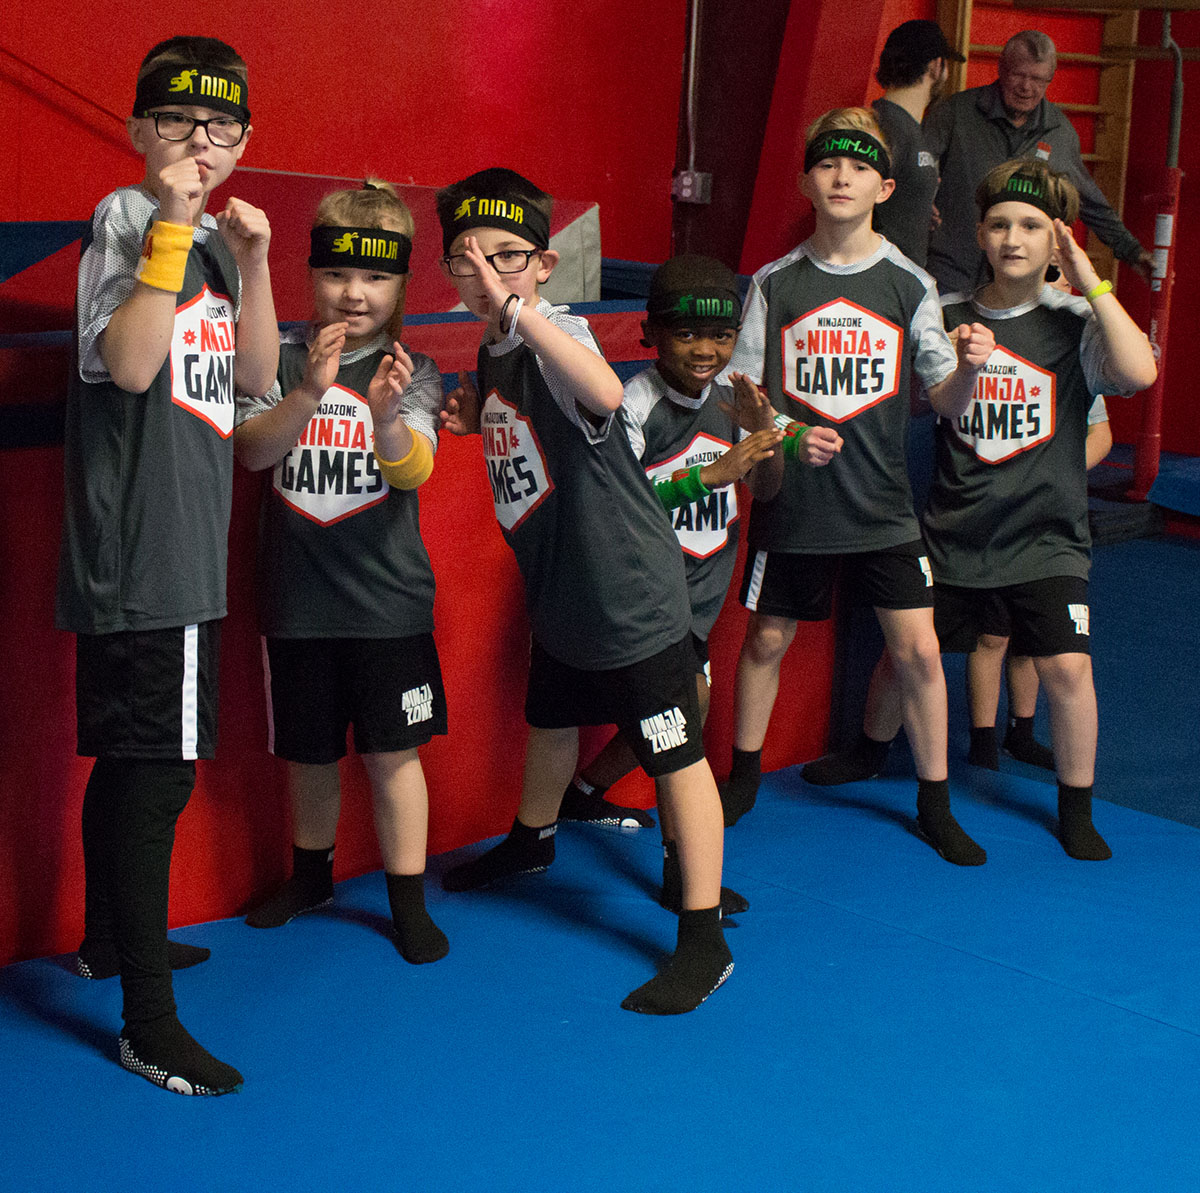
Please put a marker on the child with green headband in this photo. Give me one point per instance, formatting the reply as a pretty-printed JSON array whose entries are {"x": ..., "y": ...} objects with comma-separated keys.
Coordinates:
[
  {"x": 835, "y": 330},
  {"x": 349, "y": 430},
  {"x": 685, "y": 428},
  {"x": 604, "y": 578},
  {"x": 1006, "y": 522},
  {"x": 174, "y": 309}
]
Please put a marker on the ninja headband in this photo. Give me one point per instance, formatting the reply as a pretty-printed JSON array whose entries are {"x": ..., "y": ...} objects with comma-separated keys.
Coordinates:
[
  {"x": 204, "y": 87},
  {"x": 359, "y": 248},
  {"x": 518, "y": 216},
  {"x": 848, "y": 142},
  {"x": 1024, "y": 188},
  {"x": 709, "y": 305}
]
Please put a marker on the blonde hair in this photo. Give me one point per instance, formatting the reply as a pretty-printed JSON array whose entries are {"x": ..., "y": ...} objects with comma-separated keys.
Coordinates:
[
  {"x": 861, "y": 120},
  {"x": 375, "y": 204},
  {"x": 1059, "y": 189}
]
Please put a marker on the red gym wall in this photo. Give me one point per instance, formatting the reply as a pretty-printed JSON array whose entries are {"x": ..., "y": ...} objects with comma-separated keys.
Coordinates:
[{"x": 585, "y": 100}]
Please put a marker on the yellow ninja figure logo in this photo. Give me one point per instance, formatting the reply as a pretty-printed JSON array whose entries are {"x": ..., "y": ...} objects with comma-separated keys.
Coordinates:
[
  {"x": 184, "y": 81},
  {"x": 345, "y": 242},
  {"x": 464, "y": 208}
]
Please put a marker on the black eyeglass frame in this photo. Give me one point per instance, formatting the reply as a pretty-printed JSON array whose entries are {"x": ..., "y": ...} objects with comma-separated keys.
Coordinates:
[
  {"x": 156, "y": 116},
  {"x": 490, "y": 258}
]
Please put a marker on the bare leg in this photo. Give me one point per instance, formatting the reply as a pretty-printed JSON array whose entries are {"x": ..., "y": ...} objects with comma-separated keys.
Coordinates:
[
  {"x": 1022, "y": 704},
  {"x": 985, "y": 667},
  {"x": 757, "y": 682},
  {"x": 401, "y": 804},
  {"x": 550, "y": 758},
  {"x": 917, "y": 662}
]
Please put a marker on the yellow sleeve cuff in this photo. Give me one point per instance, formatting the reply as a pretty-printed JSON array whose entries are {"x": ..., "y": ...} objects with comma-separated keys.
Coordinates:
[
  {"x": 164, "y": 256},
  {"x": 413, "y": 470}
]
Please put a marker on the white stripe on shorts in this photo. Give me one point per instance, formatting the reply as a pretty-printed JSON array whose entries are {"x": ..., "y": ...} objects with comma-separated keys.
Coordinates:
[
  {"x": 270, "y": 707},
  {"x": 189, "y": 726},
  {"x": 754, "y": 588}
]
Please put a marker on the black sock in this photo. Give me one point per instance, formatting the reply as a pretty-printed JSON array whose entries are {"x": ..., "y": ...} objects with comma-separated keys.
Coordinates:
[
  {"x": 97, "y": 959},
  {"x": 938, "y": 824},
  {"x": 863, "y": 760},
  {"x": 1024, "y": 747},
  {"x": 310, "y": 887},
  {"x": 524, "y": 851},
  {"x": 418, "y": 938},
  {"x": 671, "y": 896},
  {"x": 740, "y": 790},
  {"x": 984, "y": 751},
  {"x": 1075, "y": 829},
  {"x": 162, "y": 1051},
  {"x": 582, "y": 801},
  {"x": 700, "y": 963}
]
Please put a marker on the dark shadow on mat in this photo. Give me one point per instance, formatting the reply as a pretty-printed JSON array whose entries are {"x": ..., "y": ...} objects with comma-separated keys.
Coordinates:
[{"x": 32, "y": 989}]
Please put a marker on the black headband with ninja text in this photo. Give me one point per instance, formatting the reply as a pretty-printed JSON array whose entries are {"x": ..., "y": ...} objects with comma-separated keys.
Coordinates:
[
  {"x": 1024, "y": 188},
  {"x": 201, "y": 86},
  {"x": 512, "y": 214},
  {"x": 694, "y": 307},
  {"x": 379, "y": 249},
  {"x": 848, "y": 142}
]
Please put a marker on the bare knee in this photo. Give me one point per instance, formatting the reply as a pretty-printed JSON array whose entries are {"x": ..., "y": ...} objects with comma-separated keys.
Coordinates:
[
  {"x": 1065, "y": 675},
  {"x": 767, "y": 639}
]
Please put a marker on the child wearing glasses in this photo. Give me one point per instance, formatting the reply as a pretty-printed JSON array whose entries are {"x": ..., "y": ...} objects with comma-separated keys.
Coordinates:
[
  {"x": 604, "y": 578},
  {"x": 174, "y": 310},
  {"x": 349, "y": 430}
]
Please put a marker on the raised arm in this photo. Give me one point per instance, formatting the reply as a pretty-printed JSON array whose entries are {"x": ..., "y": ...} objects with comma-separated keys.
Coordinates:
[
  {"x": 1129, "y": 364},
  {"x": 263, "y": 440},
  {"x": 247, "y": 234},
  {"x": 137, "y": 338}
]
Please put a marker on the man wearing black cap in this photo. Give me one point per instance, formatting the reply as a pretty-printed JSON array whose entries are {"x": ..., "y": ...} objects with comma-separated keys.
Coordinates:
[
  {"x": 912, "y": 70},
  {"x": 977, "y": 129}
]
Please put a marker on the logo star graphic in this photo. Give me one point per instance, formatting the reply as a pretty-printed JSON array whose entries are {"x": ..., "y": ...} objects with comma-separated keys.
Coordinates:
[
  {"x": 880, "y": 345},
  {"x": 1034, "y": 390},
  {"x": 189, "y": 337}
]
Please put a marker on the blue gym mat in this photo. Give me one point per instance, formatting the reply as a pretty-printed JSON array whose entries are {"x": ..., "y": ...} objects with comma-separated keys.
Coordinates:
[{"x": 893, "y": 1023}]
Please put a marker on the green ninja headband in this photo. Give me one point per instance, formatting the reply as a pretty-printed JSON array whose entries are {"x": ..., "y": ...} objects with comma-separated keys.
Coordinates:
[
  {"x": 848, "y": 142},
  {"x": 1024, "y": 188},
  {"x": 699, "y": 305}
]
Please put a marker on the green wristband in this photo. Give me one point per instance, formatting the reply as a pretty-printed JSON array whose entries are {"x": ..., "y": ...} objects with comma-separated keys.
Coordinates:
[{"x": 681, "y": 488}]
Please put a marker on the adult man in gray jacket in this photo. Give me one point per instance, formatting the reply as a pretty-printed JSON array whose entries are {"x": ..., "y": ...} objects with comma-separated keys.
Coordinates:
[{"x": 979, "y": 128}]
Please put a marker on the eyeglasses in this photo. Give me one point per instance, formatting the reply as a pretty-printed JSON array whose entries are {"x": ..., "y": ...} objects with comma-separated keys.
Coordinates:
[
  {"x": 505, "y": 261},
  {"x": 220, "y": 130}
]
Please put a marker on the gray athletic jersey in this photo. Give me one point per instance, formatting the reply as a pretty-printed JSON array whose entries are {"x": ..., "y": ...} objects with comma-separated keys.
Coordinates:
[
  {"x": 1009, "y": 497},
  {"x": 669, "y": 431},
  {"x": 834, "y": 345},
  {"x": 148, "y": 476},
  {"x": 904, "y": 217},
  {"x": 604, "y": 578},
  {"x": 340, "y": 550}
]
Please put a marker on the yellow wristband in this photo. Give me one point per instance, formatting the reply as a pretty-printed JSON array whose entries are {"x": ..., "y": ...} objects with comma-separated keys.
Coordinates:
[
  {"x": 164, "y": 256},
  {"x": 413, "y": 470},
  {"x": 1098, "y": 289}
]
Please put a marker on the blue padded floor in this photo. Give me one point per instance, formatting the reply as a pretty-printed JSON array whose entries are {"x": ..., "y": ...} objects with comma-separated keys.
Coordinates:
[{"x": 894, "y": 1023}]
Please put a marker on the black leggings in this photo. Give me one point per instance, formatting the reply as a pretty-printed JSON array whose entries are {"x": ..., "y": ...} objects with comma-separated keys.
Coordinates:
[{"x": 129, "y": 814}]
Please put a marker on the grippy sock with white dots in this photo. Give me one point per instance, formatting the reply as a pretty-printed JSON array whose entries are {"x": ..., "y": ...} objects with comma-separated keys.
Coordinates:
[
  {"x": 418, "y": 938},
  {"x": 309, "y": 887},
  {"x": 524, "y": 851},
  {"x": 97, "y": 959},
  {"x": 700, "y": 963},
  {"x": 162, "y": 1051}
]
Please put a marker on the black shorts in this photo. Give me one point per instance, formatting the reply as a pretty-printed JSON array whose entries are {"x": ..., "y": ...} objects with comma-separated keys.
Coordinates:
[
  {"x": 1046, "y": 617},
  {"x": 148, "y": 693},
  {"x": 389, "y": 689},
  {"x": 800, "y": 587},
  {"x": 700, "y": 650},
  {"x": 654, "y": 703}
]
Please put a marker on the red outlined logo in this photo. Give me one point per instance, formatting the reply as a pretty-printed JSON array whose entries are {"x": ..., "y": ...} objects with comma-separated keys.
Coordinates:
[
  {"x": 1013, "y": 408},
  {"x": 203, "y": 342},
  {"x": 516, "y": 464}
]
